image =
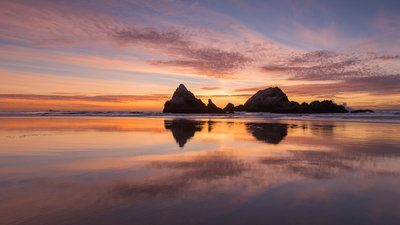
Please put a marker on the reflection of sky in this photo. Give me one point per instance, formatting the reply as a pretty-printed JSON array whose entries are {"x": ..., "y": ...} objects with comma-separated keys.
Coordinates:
[{"x": 123, "y": 169}]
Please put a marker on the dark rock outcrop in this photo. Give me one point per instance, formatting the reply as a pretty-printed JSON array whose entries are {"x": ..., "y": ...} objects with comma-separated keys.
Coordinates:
[
  {"x": 229, "y": 108},
  {"x": 184, "y": 101},
  {"x": 274, "y": 100},
  {"x": 362, "y": 111},
  {"x": 267, "y": 100},
  {"x": 326, "y": 106},
  {"x": 212, "y": 108},
  {"x": 239, "y": 108}
]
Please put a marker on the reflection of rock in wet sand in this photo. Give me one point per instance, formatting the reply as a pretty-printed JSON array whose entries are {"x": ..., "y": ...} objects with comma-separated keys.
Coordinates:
[
  {"x": 210, "y": 125},
  {"x": 183, "y": 130},
  {"x": 268, "y": 132}
]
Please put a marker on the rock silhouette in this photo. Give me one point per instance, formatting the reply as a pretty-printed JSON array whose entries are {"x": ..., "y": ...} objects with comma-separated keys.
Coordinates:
[
  {"x": 362, "y": 111},
  {"x": 184, "y": 101},
  {"x": 239, "y": 108},
  {"x": 183, "y": 130},
  {"x": 212, "y": 108},
  {"x": 267, "y": 100},
  {"x": 272, "y": 100},
  {"x": 229, "y": 108},
  {"x": 272, "y": 133},
  {"x": 325, "y": 106}
]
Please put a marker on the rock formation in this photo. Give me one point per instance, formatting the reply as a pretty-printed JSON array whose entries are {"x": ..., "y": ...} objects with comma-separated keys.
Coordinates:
[
  {"x": 272, "y": 100},
  {"x": 275, "y": 101},
  {"x": 362, "y": 111},
  {"x": 267, "y": 100},
  {"x": 239, "y": 108},
  {"x": 229, "y": 108},
  {"x": 212, "y": 108},
  {"x": 326, "y": 106},
  {"x": 184, "y": 101}
]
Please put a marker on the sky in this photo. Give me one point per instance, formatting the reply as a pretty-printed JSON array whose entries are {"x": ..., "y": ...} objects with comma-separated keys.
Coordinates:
[{"x": 132, "y": 55}]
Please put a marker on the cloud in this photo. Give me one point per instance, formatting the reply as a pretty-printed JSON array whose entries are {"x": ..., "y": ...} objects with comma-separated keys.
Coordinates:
[
  {"x": 184, "y": 52},
  {"x": 209, "y": 61},
  {"x": 372, "y": 85},
  {"x": 388, "y": 57},
  {"x": 189, "y": 49},
  {"x": 252, "y": 89},
  {"x": 330, "y": 65},
  {"x": 104, "y": 98},
  {"x": 210, "y": 88},
  {"x": 99, "y": 98},
  {"x": 149, "y": 35},
  {"x": 224, "y": 96}
]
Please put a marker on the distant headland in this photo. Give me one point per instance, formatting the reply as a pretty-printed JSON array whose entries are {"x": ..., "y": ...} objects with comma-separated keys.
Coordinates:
[{"x": 272, "y": 100}]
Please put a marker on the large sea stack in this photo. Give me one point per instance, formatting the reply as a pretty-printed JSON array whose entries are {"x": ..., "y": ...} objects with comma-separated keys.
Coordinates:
[
  {"x": 184, "y": 101},
  {"x": 268, "y": 100}
]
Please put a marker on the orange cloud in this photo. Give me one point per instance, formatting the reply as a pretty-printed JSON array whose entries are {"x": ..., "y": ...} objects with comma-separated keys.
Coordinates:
[{"x": 210, "y": 88}]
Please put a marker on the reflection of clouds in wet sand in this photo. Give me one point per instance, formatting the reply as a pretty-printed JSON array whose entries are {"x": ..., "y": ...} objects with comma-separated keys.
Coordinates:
[
  {"x": 180, "y": 174},
  {"x": 179, "y": 185},
  {"x": 203, "y": 168},
  {"x": 258, "y": 168},
  {"x": 52, "y": 124},
  {"x": 323, "y": 164}
]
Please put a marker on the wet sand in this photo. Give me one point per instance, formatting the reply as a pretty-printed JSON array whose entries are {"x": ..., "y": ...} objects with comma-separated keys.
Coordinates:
[{"x": 204, "y": 171}]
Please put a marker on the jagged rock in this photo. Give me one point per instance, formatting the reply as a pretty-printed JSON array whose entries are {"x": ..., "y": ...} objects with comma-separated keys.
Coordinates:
[
  {"x": 239, "y": 108},
  {"x": 229, "y": 108},
  {"x": 212, "y": 108},
  {"x": 184, "y": 101},
  {"x": 362, "y": 111}
]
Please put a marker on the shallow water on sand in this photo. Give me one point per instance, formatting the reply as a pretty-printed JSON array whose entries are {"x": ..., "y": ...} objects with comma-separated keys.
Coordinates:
[{"x": 205, "y": 171}]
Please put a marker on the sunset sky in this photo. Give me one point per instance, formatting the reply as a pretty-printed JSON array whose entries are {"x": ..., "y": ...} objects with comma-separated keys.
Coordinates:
[{"x": 132, "y": 55}]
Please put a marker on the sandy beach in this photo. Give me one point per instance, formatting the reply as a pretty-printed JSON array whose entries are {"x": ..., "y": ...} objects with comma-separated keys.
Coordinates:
[{"x": 97, "y": 170}]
